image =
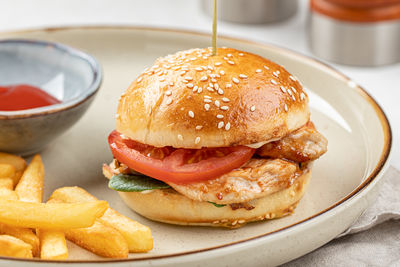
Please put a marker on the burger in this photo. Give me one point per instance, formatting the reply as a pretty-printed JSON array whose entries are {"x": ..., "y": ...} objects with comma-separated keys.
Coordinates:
[{"x": 213, "y": 140}]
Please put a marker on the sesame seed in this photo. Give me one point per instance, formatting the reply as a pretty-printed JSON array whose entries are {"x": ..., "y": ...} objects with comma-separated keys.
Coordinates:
[
  {"x": 220, "y": 124},
  {"x": 197, "y": 140},
  {"x": 206, "y": 96},
  {"x": 217, "y": 75},
  {"x": 217, "y": 103},
  {"x": 204, "y": 78},
  {"x": 241, "y": 54},
  {"x": 171, "y": 83},
  {"x": 224, "y": 107},
  {"x": 193, "y": 58},
  {"x": 207, "y": 107},
  {"x": 185, "y": 81},
  {"x": 207, "y": 100},
  {"x": 229, "y": 55},
  {"x": 274, "y": 82},
  {"x": 211, "y": 75},
  {"x": 241, "y": 221},
  {"x": 220, "y": 116},
  {"x": 235, "y": 80},
  {"x": 199, "y": 68},
  {"x": 210, "y": 89},
  {"x": 293, "y": 89},
  {"x": 199, "y": 90},
  {"x": 283, "y": 89},
  {"x": 225, "y": 99},
  {"x": 242, "y": 76},
  {"x": 252, "y": 108},
  {"x": 211, "y": 85},
  {"x": 139, "y": 79},
  {"x": 294, "y": 98},
  {"x": 226, "y": 58},
  {"x": 231, "y": 62},
  {"x": 210, "y": 68},
  {"x": 176, "y": 67},
  {"x": 276, "y": 73},
  {"x": 168, "y": 93},
  {"x": 116, "y": 116},
  {"x": 217, "y": 63},
  {"x": 266, "y": 67},
  {"x": 161, "y": 79},
  {"x": 216, "y": 86},
  {"x": 292, "y": 78},
  {"x": 258, "y": 70},
  {"x": 302, "y": 96},
  {"x": 228, "y": 85},
  {"x": 222, "y": 72},
  {"x": 213, "y": 80},
  {"x": 220, "y": 91},
  {"x": 189, "y": 78},
  {"x": 190, "y": 85},
  {"x": 234, "y": 223},
  {"x": 205, "y": 57},
  {"x": 191, "y": 114},
  {"x": 182, "y": 73},
  {"x": 286, "y": 108},
  {"x": 169, "y": 101},
  {"x": 185, "y": 68},
  {"x": 289, "y": 92},
  {"x": 228, "y": 126},
  {"x": 180, "y": 137},
  {"x": 199, "y": 127}
]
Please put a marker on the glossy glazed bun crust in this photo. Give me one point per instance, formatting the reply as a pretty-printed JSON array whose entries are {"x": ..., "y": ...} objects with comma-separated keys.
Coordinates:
[{"x": 192, "y": 99}]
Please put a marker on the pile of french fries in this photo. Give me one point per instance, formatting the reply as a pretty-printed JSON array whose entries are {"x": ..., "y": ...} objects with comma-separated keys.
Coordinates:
[{"x": 30, "y": 228}]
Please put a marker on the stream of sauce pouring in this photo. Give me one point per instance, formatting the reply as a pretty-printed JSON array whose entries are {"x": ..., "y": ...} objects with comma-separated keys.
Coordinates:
[{"x": 24, "y": 96}]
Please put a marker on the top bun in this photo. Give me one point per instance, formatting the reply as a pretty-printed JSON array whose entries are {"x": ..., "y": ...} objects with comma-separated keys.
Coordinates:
[{"x": 192, "y": 99}]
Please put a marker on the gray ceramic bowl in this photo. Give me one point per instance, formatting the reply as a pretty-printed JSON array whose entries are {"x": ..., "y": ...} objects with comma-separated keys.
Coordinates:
[{"x": 70, "y": 75}]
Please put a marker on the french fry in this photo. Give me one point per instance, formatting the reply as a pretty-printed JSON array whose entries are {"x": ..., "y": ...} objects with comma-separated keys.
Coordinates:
[
  {"x": 100, "y": 239},
  {"x": 7, "y": 194},
  {"x": 138, "y": 236},
  {"x": 7, "y": 170},
  {"x": 52, "y": 245},
  {"x": 18, "y": 162},
  {"x": 14, "y": 247},
  {"x": 24, "y": 234},
  {"x": 30, "y": 187},
  {"x": 7, "y": 183},
  {"x": 51, "y": 215}
]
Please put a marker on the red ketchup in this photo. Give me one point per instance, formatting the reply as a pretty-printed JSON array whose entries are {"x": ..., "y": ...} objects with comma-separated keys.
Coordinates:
[{"x": 23, "y": 96}]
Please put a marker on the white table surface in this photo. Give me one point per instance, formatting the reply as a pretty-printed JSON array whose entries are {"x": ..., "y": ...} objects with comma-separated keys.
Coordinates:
[{"x": 382, "y": 83}]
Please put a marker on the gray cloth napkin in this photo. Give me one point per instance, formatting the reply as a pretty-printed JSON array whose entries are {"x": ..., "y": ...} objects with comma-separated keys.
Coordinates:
[{"x": 373, "y": 245}]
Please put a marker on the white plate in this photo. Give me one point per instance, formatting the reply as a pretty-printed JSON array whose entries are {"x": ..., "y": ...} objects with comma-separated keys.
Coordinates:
[{"x": 345, "y": 180}]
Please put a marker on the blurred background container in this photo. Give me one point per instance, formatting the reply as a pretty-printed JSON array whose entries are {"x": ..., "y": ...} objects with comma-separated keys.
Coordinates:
[
  {"x": 253, "y": 11},
  {"x": 355, "y": 32}
]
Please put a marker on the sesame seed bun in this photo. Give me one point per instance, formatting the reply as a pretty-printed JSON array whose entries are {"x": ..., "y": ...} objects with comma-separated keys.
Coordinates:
[
  {"x": 192, "y": 99},
  {"x": 178, "y": 209}
]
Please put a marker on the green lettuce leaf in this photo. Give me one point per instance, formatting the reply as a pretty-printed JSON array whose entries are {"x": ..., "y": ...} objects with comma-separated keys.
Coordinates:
[
  {"x": 135, "y": 183},
  {"x": 217, "y": 205}
]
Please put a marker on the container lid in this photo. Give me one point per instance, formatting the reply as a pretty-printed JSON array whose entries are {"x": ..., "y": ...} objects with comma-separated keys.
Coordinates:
[{"x": 355, "y": 11}]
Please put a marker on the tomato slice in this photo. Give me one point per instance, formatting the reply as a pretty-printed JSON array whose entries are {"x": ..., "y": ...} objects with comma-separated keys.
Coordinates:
[{"x": 170, "y": 164}]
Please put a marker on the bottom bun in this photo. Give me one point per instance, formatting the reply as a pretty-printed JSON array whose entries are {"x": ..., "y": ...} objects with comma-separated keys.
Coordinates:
[{"x": 169, "y": 206}]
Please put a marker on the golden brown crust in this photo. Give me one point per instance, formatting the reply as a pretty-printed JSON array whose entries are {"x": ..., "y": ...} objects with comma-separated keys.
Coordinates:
[
  {"x": 251, "y": 100},
  {"x": 178, "y": 209}
]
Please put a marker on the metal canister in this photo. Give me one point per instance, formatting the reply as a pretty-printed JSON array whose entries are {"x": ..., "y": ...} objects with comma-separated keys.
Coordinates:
[
  {"x": 355, "y": 32},
  {"x": 253, "y": 11}
]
